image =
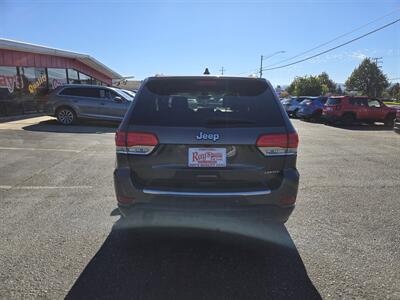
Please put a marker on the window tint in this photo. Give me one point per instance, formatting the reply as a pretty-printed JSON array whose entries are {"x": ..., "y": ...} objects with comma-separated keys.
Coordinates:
[
  {"x": 207, "y": 103},
  {"x": 362, "y": 102},
  {"x": 333, "y": 101},
  {"x": 82, "y": 92}
]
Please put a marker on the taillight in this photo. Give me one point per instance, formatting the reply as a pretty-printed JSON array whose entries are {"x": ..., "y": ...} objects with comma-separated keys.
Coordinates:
[
  {"x": 278, "y": 144},
  {"x": 141, "y": 143}
]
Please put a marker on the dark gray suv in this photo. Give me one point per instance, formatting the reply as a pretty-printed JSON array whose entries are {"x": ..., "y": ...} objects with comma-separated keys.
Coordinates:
[
  {"x": 206, "y": 144},
  {"x": 69, "y": 103}
]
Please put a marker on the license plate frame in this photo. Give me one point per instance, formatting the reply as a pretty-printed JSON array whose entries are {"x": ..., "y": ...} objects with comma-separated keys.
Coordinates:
[{"x": 201, "y": 157}]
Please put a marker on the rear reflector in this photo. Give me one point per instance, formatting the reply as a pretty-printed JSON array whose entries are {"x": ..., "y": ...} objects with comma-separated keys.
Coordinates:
[
  {"x": 125, "y": 200},
  {"x": 141, "y": 143},
  {"x": 288, "y": 200},
  {"x": 278, "y": 144}
]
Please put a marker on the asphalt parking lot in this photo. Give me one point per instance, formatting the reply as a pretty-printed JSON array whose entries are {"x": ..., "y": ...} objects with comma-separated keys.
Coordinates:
[{"x": 60, "y": 233}]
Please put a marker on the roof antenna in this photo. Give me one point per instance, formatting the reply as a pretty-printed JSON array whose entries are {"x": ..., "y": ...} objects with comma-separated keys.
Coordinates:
[{"x": 206, "y": 72}]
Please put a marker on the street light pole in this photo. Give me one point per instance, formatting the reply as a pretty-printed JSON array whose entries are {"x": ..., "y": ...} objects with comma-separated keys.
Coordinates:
[{"x": 268, "y": 56}]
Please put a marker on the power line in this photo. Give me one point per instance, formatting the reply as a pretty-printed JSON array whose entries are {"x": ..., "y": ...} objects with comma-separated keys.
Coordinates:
[
  {"x": 335, "y": 39},
  {"x": 222, "y": 70},
  {"x": 334, "y": 48}
]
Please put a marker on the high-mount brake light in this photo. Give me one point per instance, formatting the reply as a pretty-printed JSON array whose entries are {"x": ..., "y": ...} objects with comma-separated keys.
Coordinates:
[
  {"x": 140, "y": 143},
  {"x": 278, "y": 144}
]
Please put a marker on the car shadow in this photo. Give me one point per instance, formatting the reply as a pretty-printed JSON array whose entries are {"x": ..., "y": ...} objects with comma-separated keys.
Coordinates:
[
  {"x": 193, "y": 264},
  {"x": 362, "y": 127},
  {"x": 81, "y": 127}
]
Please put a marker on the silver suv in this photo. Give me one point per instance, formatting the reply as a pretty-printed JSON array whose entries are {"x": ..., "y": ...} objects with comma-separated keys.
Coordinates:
[
  {"x": 206, "y": 144},
  {"x": 69, "y": 103}
]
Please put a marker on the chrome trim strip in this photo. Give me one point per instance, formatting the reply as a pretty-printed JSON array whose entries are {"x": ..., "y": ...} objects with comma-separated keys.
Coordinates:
[{"x": 206, "y": 194}]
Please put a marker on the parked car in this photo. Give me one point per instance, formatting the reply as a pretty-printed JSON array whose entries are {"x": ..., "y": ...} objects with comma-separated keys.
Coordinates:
[
  {"x": 68, "y": 103},
  {"x": 194, "y": 144},
  {"x": 349, "y": 109},
  {"x": 292, "y": 105},
  {"x": 396, "y": 126},
  {"x": 129, "y": 92},
  {"x": 311, "y": 108}
]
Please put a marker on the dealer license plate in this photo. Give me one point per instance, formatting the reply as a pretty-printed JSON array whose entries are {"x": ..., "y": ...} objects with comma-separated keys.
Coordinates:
[{"x": 207, "y": 157}]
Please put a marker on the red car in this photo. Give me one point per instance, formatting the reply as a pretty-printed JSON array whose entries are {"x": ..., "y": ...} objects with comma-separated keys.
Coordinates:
[
  {"x": 349, "y": 109},
  {"x": 397, "y": 122}
]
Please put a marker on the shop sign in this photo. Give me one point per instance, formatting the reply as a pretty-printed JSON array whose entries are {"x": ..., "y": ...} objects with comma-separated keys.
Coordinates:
[
  {"x": 33, "y": 86},
  {"x": 10, "y": 82},
  {"x": 57, "y": 82}
]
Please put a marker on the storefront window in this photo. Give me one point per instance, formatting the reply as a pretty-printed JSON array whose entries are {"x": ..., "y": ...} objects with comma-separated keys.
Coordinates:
[
  {"x": 73, "y": 76},
  {"x": 85, "y": 79},
  {"x": 96, "y": 82},
  {"x": 9, "y": 82},
  {"x": 35, "y": 81},
  {"x": 57, "y": 77}
]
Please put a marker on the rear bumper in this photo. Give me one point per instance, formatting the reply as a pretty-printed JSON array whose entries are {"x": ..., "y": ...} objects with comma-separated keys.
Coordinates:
[
  {"x": 276, "y": 205},
  {"x": 304, "y": 114}
]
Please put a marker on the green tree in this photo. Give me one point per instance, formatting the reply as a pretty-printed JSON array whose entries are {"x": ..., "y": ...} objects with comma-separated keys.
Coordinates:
[
  {"x": 367, "y": 79},
  {"x": 328, "y": 85},
  {"x": 339, "y": 90},
  {"x": 284, "y": 94},
  {"x": 394, "y": 91},
  {"x": 305, "y": 86}
]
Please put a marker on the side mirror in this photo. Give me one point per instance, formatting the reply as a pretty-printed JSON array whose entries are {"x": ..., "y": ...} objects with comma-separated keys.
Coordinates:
[{"x": 118, "y": 99}]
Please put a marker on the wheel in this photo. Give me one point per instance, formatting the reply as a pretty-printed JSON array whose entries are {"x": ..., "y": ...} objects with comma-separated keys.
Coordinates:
[
  {"x": 66, "y": 116},
  {"x": 348, "y": 119},
  {"x": 294, "y": 113},
  {"x": 389, "y": 120},
  {"x": 316, "y": 116}
]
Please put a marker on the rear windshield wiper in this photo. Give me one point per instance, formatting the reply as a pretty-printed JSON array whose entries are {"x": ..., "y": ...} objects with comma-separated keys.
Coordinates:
[{"x": 229, "y": 122}]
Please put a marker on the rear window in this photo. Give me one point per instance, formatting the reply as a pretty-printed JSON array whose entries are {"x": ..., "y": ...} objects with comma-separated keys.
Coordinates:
[
  {"x": 82, "y": 92},
  {"x": 333, "y": 101},
  {"x": 207, "y": 103}
]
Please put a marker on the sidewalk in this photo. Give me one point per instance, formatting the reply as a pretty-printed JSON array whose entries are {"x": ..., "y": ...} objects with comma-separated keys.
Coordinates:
[{"x": 19, "y": 117}]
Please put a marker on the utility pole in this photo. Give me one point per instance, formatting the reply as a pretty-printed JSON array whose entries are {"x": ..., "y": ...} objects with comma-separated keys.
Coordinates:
[
  {"x": 222, "y": 70},
  {"x": 378, "y": 61},
  {"x": 268, "y": 56}
]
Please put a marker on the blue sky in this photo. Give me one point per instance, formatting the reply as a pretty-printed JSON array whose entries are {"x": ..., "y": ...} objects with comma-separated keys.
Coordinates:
[{"x": 142, "y": 38}]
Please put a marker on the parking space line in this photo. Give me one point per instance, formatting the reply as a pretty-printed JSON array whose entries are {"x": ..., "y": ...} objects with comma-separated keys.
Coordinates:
[
  {"x": 40, "y": 149},
  {"x": 39, "y": 187}
]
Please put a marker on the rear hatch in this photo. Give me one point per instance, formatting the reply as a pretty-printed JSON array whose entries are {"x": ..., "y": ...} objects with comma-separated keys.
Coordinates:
[
  {"x": 332, "y": 104},
  {"x": 207, "y": 133}
]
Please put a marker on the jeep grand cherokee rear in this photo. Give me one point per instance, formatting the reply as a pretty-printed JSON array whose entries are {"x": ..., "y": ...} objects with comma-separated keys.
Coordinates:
[{"x": 207, "y": 144}]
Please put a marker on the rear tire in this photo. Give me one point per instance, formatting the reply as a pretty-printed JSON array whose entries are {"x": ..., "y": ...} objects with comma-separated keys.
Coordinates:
[
  {"x": 66, "y": 116},
  {"x": 389, "y": 120},
  {"x": 348, "y": 119},
  {"x": 316, "y": 116}
]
